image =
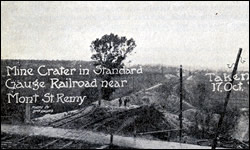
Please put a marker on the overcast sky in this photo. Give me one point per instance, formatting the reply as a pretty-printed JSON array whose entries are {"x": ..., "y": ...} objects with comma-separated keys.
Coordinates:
[{"x": 196, "y": 34}]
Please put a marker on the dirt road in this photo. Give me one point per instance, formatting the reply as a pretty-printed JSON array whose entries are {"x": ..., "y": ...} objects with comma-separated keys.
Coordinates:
[{"x": 94, "y": 137}]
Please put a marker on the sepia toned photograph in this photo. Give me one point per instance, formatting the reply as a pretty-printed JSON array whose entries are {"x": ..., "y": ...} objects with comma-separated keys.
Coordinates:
[{"x": 124, "y": 75}]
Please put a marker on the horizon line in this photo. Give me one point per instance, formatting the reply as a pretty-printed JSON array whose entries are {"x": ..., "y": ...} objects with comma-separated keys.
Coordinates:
[{"x": 188, "y": 67}]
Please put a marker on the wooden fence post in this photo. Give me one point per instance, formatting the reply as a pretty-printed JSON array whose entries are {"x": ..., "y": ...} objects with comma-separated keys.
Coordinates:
[{"x": 181, "y": 97}]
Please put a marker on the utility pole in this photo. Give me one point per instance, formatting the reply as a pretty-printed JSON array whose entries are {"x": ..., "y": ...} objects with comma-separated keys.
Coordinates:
[
  {"x": 99, "y": 92},
  {"x": 162, "y": 71},
  {"x": 27, "y": 116},
  {"x": 214, "y": 145},
  {"x": 135, "y": 128},
  {"x": 111, "y": 139},
  {"x": 181, "y": 97},
  {"x": 133, "y": 83},
  {"x": 27, "y": 113}
]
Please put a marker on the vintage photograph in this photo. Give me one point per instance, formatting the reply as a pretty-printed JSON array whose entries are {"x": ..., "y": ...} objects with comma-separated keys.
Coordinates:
[{"x": 124, "y": 75}]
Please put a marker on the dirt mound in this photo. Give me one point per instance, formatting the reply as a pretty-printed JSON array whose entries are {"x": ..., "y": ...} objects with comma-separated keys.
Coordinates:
[
  {"x": 144, "y": 118},
  {"x": 174, "y": 121},
  {"x": 241, "y": 132},
  {"x": 52, "y": 117},
  {"x": 124, "y": 121},
  {"x": 114, "y": 104},
  {"x": 161, "y": 95},
  {"x": 171, "y": 76}
]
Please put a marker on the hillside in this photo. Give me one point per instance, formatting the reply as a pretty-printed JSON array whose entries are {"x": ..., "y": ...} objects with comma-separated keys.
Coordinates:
[{"x": 153, "y": 104}]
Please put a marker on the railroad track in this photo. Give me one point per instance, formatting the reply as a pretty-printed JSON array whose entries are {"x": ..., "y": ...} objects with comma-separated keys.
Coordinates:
[
  {"x": 5, "y": 143},
  {"x": 17, "y": 141},
  {"x": 71, "y": 118},
  {"x": 108, "y": 117},
  {"x": 8, "y": 143},
  {"x": 72, "y": 115},
  {"x": 29, "y": 142},
  {"x": 64, "y": 121},
  {"x": 11, "y": 141}
]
